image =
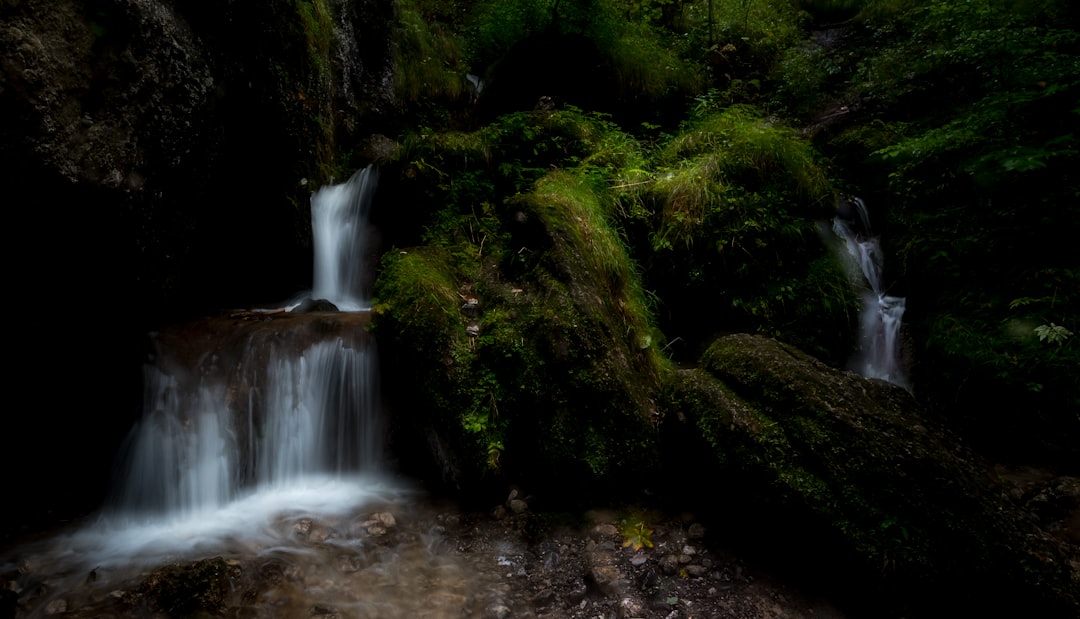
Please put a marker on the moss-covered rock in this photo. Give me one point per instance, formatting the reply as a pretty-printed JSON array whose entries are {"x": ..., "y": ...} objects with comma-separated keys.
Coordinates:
[
  {"x": 854, "y": 464},
  {"x": 534, "y": 343}
]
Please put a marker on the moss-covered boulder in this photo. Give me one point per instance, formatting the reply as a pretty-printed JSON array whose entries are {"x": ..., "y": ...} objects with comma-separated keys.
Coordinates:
[
  {"x": 526, "y": 351},
  {"x": 838, "y": 466}
]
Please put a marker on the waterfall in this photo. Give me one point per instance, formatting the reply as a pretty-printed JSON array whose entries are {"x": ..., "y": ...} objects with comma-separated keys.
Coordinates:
[
  {"x": 200, "y": 445},
  {"x": 339, "y": 229},
  {"x": 879, "y": 353},
  {"x": 238, "y": 408}
]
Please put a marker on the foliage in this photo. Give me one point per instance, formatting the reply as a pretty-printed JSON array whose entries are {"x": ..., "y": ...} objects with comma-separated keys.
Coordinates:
[
  {"x": 430, "y": 67},
  {"x": 737, "y": 198},
  {"x": 635, "y": 533},
  {"x": 743, "y": 39},
  {"x": 976, "y": 153},
  {"x": 559, "y": 355}
]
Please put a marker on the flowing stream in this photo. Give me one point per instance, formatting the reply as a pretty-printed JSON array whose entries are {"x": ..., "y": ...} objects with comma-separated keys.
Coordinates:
[
  {"x": 879, "y": 352},
  {"x": 260, "y": 442}
]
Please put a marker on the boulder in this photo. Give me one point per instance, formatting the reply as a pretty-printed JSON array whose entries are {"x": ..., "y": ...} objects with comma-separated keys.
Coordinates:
[{"x": 846, "y": 471}]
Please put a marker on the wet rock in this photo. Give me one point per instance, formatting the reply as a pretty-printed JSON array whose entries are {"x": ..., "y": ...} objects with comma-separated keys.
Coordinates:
[
  {"x": 302, "y": 527},
  {"x": 496, "y": 611},
  {"x": 319, "y": 534},
  {"x": 314, "y": 305}
]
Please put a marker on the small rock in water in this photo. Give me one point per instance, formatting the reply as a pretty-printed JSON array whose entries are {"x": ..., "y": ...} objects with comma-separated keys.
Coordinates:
[
  {"x": 314, "y": 305},
  {"x": 496, "y": 610},
  {"x": 385, "y": 518},
  {"x": 302, "y": 527},
  {"x": 319, "y": 534}
]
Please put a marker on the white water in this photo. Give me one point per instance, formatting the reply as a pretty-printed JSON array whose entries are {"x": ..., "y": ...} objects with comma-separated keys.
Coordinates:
[
  {"x": 339, "y": 227},
  {"x": 252, "y": 432},
  {"x": 200, "y": 446},
  {"x": 879, "y": 353},
  {"x": 260, "y": 444}
]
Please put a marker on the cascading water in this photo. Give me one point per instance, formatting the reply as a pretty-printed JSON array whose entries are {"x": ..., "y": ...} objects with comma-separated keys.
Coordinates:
[
  {"x": 250, "y": 416},
  {"x": 879, "y": 352},
  {"x": 338, "y": 223},
  {"x": 279, "y": 406}
]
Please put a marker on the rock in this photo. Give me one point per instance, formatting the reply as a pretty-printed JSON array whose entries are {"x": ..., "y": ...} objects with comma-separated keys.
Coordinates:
[
  {"x": 497, "y": 611},
  {"x": 386, "y": 518},
  {"x": 314, "y": 305},
  {"x": 697, "y": 571},
  {"x": 630, "y": 608},
  {"x": 669, "y": 564},
  {"x": 856, "y": 462},
  {"x": 607, "y": 578},
  {"x": 605, "y": 530}
]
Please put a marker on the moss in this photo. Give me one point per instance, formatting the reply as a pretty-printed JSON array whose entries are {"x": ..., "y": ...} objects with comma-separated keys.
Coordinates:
[
  {"x": 855, "y": 459},
  {"x": 550, "y": 362}
]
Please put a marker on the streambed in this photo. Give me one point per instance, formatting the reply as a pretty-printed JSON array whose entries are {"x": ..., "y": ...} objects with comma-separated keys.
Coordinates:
[{"x": 396, "y": 554}]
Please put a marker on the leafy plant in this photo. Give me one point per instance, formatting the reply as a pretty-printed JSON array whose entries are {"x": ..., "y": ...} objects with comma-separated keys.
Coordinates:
[
  {"x": 636, "y": 534},
  {"x": 1052, "y": 333}
]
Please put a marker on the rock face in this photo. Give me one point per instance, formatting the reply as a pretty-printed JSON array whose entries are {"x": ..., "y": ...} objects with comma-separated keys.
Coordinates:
[
  {"x": 182, "y": 122},
  {"x": 836, "y": 465}
]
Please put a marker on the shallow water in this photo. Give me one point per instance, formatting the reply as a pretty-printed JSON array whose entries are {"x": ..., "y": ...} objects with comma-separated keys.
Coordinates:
[{"x": 364, "y": 547}]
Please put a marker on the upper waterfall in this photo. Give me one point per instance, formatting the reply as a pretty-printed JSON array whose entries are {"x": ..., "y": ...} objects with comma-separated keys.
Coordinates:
[{"x": 339, "y": 230}]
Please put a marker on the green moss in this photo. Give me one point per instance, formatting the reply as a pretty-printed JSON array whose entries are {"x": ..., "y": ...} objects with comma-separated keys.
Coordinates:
[
  {"x": 560, "y": 361},
  {"x": 429, "y": 64}
]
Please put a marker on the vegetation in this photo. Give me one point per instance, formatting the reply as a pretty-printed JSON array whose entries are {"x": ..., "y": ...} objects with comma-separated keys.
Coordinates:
[
  {"x": 956, "y": 121},
  {"x": 620, "y": 181},
  {"x": 970, "y": 147}
]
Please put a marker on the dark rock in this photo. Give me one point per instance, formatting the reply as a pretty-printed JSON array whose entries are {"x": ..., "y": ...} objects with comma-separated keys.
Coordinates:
[
  {"x": 314, "y": 305},
  {"x": 843, "y": 466}
]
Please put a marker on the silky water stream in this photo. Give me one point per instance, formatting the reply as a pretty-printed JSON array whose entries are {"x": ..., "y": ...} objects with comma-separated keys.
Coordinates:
[
  {"x": 253, "y": 485},
  {"x": 878, "y": 354}
]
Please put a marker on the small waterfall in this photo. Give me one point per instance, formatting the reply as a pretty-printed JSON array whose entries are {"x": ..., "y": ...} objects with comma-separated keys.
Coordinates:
[
  {"x": 879, "y": 352},
  {"x": 233, "y": 408},
  {"x": 202, "y": 443},
  {"x": 339, "y": 228}
]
